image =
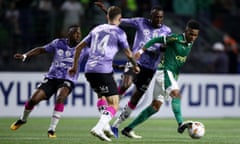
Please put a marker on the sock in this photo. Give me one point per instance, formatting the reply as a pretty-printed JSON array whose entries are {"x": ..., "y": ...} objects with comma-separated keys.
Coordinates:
[
  {"x": 106, "y": 117},
  {"x": 127, "y": 110},
  {"x": 101, "y": 104},
  {"x": 57, "y": 113},
  {"x": 120, "y": 91},
  {"x": 27, "y": 110},
  {"x": 176, "y": 108},
  {"x": 143, "y": 116}
]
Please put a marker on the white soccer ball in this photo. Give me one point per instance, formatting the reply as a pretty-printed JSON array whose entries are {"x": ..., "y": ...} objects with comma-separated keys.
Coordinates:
[{"x": 196, "y": 130}]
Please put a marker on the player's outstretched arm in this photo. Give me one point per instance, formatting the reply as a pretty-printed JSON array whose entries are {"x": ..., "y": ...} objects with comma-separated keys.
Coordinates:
[
  {"x": 101, "y": 6},
  {"x": 34, "y": 52},
  {"x": 151, "y": 42}
]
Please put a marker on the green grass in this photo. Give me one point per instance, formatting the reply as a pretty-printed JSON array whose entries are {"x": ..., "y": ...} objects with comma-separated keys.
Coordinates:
[{"x": 154, "y": 131}]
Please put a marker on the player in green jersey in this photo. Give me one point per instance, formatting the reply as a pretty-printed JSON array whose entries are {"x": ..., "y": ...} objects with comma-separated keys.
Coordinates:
[{"x": 178, "y": 47}]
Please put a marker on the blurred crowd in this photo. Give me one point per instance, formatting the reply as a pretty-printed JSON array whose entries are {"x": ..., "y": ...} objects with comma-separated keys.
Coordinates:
[{"x": 25, "y": 24}]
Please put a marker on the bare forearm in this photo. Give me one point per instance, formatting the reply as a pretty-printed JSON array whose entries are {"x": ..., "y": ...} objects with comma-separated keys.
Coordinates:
[
  {"x": 76, "y": 58},
  {"x": 133, "y": 61},
  {"x": 129, "y": 55},
  {"x": 78, "y": 50},
  {"x": 36, "y": 51}
]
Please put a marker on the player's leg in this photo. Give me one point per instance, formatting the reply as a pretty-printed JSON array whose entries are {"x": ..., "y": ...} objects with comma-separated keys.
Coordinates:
[
  {"x": 125, "y": 83},
  {"x": 65, "y": 88},
  {"x": 127, "y": 79},
  {"x": 173, "y": 91},
  {"x": 141, "y": 83},
  {"x": 43, "y": 92},
  {"x": 143, "y": 116},
  {"x": 104, "y": 85},
  {"x": 158, "y": 99},
  {"x": 107, "y": 115},
  {"x": 37, "y": 96},
  {"x": 101, "y": 103},
  {"x": 94, "y": 81},
  {"x": 176, "y": 108},
  {"x": 128, "y": 108}
]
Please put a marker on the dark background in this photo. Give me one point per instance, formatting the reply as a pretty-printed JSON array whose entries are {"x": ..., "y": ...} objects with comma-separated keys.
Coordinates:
[{"x": 25, "y": 24}]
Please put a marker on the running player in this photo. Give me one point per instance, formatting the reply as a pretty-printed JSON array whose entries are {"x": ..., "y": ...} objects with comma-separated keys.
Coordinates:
[
  {"x": 146, "y": 29},
  {"x": 178, "y": 47},
  {"x": 56, "y": 81},
  {"x": 104, "y": 41}
]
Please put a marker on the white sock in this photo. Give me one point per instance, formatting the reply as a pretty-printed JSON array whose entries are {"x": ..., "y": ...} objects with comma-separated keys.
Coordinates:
[
  {"x": 25, "y": 115},
  {"x": 104, "y": 120},
  {"x": 126, "y": 112},
  {"x": 54, "y": 120}
]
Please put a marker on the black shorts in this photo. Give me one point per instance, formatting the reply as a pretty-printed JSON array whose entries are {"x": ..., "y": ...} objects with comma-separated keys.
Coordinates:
[
  {"x": 51, "y": 86},
  {"x": 143, "y": 78},
  {"x": 102, "y": 84}
]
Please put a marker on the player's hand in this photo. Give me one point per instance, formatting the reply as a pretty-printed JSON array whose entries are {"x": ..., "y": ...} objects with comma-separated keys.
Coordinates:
[
  {"x": 100, "y": 5},
  {"x": 136, "y": 69},
  {"x": 137, "y": 55},
  {"x": 20, "y": 56},
  {"x": 72, "y": 71}
]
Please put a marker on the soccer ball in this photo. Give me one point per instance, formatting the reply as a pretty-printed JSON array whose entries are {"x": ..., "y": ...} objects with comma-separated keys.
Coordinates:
[{"x": 196, "y": 130}]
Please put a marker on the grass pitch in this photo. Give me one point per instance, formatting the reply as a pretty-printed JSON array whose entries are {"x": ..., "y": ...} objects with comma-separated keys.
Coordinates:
[{"x": 154, "y": 131}]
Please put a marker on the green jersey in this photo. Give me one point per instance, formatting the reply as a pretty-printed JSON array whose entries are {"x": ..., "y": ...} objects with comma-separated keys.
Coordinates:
[{"x": 177, "y": 50}]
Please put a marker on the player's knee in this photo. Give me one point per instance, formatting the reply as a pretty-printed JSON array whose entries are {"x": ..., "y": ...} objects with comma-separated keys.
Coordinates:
[
  {"x": 33, "y": 102},
  {"x": 61, "y": 98},
  {"x": 156, "y": 105},
  {"x": 175, "y": 94},
  {"x": 126, "y": 86}
]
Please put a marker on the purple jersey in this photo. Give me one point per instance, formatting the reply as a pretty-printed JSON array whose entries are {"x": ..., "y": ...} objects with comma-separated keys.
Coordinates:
[
  {"x": 145, "y": 32},
  {"x": 63, "y": 59},
  {"x": 104, "y": 41}
]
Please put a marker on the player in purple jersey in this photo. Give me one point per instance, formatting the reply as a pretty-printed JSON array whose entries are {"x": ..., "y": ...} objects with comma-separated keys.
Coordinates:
[
  {"x": 146, "y": 29},
  {"x": 56, "y": 81},
  {"x": 104, "y": 41}
]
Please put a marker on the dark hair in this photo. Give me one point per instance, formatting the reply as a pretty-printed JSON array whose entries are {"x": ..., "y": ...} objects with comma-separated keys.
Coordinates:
[
  {"x": 73, "y": 26},
  {"x": 156, "y": 8},
  {"x": 193, "y": 24},
  {"x": 113, "y": 11}
]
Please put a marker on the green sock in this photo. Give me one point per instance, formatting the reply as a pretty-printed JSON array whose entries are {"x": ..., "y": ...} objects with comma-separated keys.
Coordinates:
[
  {"x": 176, "y": 108},
  {"x": 144, "y": 115}
]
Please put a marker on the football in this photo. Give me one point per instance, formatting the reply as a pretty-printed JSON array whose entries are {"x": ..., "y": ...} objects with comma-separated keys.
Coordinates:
[{"x": 196, "y": 130}]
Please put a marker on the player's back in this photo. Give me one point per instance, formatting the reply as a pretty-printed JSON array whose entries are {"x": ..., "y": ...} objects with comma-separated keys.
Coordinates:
[{"x": 105, "y": 41}]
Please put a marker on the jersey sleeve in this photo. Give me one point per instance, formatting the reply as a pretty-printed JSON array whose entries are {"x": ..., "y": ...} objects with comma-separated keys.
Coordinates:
[
  {"x": 164, "y": 40},
  {"x": 123, "y": 43},
  {"x": 50, "y": 47},
  {"x": 155, "y": 40},
  {"x": 131, "y": 22},
  {"x": 171, "y": 38}
]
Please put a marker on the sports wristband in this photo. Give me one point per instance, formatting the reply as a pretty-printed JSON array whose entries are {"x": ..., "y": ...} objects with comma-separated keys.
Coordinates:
[
  {"x": 24, "y": 57},
  {"x": 141, "y": 51}
]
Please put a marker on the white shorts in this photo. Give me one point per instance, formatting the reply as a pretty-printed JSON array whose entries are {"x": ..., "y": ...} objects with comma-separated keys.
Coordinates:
[{"x": 163, "y": 84}]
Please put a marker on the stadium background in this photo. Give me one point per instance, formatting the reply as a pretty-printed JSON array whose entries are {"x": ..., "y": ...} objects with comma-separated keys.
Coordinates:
[{"x": 25, "y": 24}]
